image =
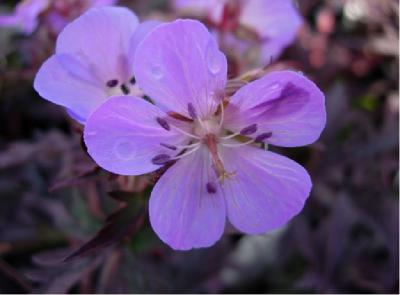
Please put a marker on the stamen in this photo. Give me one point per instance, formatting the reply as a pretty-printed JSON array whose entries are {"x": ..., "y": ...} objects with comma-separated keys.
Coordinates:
[
  {"x": 237, "y": 144},
  {"x": 169, "y": 146},
  {"x": 185, "y": 133},
  {"x": 197, "y": 146},
  {"x": 263, "y": 136},
  {"x": 161, "y": 159},
  {"x": 125, "y": 89},
  {"x": 192, "y": 111},
  {"x": 132, "y": 80},
  {"x": 249, "y": 130},
  {"x": 112, "y": 83},
  {"x": 163, "y": 123},
  {"x": 231, "y": 136},
  {"x": 211, "y": 189},
  {"x": 221, "y": 121}
]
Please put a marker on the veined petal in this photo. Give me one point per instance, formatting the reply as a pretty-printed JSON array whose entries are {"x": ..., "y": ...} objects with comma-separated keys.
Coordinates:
[
  {"x": 65, "y": 81},
  {"x": 266, "y": 191},
  {"x": 183, "y": 212},
  {"x": 123, "y": 135},
  {"x": 141, "y": 32},
  {"x": 100, "y": 38},
  {"x": 178, "y": 64},
  {"x": 285, "y": 103}
]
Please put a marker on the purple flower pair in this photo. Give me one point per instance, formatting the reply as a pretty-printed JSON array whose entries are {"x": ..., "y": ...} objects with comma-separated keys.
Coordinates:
[{"x": 218, "y": 172}]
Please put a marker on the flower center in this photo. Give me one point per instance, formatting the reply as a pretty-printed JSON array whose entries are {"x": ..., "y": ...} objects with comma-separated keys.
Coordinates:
[
  {"x": 117, "y": 87},
  {"x": 210, "y": 133},
  {"x": 204, "y": 127}
]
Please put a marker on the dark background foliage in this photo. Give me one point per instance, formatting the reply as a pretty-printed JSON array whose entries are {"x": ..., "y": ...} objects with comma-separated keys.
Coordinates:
[{"x": 54, "y": 199}]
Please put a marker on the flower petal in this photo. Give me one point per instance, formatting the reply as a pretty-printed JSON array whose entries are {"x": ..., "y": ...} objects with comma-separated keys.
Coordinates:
[
  {"x": 182, "y": 211},
  {"x": 100, "y": 38},
  {"x": 141, "y": 32},
  {"x": 285, "y": 103},
  {"x": 65, "y": 81},
  {"x": 179, "y": 64},
  {"x": 123, "y": 136},
  {"x": 211, "y": 9},
  {"x": 266, "y": 191},
  {"x": 277, "y": 22}
]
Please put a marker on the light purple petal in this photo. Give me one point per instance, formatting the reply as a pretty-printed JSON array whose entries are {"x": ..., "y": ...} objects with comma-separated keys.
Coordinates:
[
  {"x": 202, "y": 8},
  {"x": 285, "y": 103},
  {"x": 123, "y": 135},
  {"x": 141, "y": 32},
  {"x": 179, "y": 64},
  {"x": 182, "y": 211},
  {"x": 100, "y": 38},
  {"x": 65, "y": 81},
  {"x": 266, "y": 191},
  {"x": 277, "y": 22}
]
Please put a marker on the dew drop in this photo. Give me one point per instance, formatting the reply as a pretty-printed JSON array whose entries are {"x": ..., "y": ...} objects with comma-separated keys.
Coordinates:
[
  {"x": 124, "y": 150},
  {"x": 157, "y": 72},
  {"x": 275, "y": 86},
  {"x": 214, "y": 59}
]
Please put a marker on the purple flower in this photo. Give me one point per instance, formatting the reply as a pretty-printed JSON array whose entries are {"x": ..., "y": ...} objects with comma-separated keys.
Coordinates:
[
  {"x": 218, "y": 169},
  {"x": 243, "y": 25},
  {"x": 93, "y": 60},
  {"x": 58, "y": 13},
  {"x": 25, "y": 16}
]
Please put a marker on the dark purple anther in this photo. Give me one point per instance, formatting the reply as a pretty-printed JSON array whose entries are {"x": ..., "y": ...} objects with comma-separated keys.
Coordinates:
[
  {"x": 112, "y": 83},
  {"x": 192, "y": 111},
  {"x": 263, "y": 136},
  {"x": 163, "y": 123},
  {"x": 132, "y": 80},
  {"x": 211, "y": 189},
  {"x": 125, "y": 89},
  {"x": 249, "y": 130},
  {"x": 169, "y": 146},
  {"x": 161, "y": 159}
]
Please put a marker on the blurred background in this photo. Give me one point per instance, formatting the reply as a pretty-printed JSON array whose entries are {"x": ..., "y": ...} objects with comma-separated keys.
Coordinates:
[{"x": 55, "y": 200}]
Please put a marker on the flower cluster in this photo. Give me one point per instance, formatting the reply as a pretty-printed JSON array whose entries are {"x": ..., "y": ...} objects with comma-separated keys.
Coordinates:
[{"x": 210, "y": 143}]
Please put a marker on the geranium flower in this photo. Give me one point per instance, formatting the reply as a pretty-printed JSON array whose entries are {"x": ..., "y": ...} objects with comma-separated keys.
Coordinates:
[
  {"x": 245, "y": 25},
  {"x": 218, "y": 169},
  {"x": 93, "y": 60},
  {"x": 56, "y": 13}
]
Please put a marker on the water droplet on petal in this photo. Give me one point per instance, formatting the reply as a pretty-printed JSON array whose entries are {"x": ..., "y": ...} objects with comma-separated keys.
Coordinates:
[
  {"x": 124, "y": 150},
  {"x": 214, "y": 58},
  {"x": 157, "y": 72},
  {"x": 275, "y": 86}
]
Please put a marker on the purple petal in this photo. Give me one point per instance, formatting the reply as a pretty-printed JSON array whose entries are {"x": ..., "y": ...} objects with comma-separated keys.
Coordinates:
[
  {"x": 123, "y": 136},
  {"x": 277, "y": 22},
  {"x": 141, "y": 32},
  {"x": 201, "y": 8},
  {"x": 179, "y": 63},
  {"x": 68, "y": 86},
  {"x": 183, "y": 212},
  {"x": 266, "y": 191},
  {"x": 285, "y": 103},
  {"x": 100, "y": 38}
]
